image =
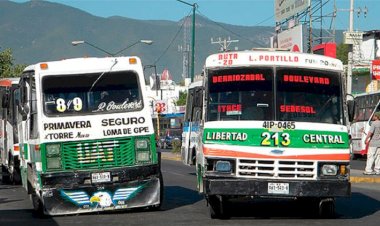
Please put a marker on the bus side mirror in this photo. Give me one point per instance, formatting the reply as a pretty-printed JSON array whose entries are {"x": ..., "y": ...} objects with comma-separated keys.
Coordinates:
[
  {"x": 24, "y": 110},
  {"x": 351, "y": 109},
  {"x": 5, "y": 100}
]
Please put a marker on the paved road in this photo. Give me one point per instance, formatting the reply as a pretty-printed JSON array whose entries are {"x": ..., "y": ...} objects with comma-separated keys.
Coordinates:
[{"x": 184, "y": 206}]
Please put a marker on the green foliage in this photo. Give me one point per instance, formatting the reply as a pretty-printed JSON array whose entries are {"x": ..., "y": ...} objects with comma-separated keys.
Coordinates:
[
  {"x": 342, "y": 52},
  {"x": 176, "y": 146},
  {"x": 7, "y": 68},
  {"x": 182, "y": 99}
]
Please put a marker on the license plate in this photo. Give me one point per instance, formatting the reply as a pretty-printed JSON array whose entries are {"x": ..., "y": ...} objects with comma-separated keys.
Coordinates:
[
  {"x": 278, "y": 188},
  {"x": 101, "y": 177}
]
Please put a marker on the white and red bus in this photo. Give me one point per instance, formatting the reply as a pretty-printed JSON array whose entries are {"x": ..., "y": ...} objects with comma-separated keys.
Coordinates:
[
  {"x": 366, "y": 105},
  {"x": 273, "y": 125}
]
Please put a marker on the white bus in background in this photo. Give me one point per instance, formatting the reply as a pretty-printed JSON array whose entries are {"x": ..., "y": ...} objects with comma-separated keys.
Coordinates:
[
  {"x": 273, "y": 125},
  {"x": 191, "y": 122},
  {"x": 88, "y": 142},
  {"x": 366, "y": 105},
  {"x": 9, "y": 142}
]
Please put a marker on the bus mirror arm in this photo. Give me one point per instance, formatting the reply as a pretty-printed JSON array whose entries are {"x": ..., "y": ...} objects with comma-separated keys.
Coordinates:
[{"x": 24, "y": 110}]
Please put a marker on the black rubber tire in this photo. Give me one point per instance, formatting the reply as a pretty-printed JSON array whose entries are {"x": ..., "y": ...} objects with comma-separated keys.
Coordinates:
[
  {"x": 218, "y": 207},
  {"x": 38, "y": 206},
  {"x": 5, "y": 179},
  {"x": 15, "y": 177},
  {"x": 327, "y": 208}
]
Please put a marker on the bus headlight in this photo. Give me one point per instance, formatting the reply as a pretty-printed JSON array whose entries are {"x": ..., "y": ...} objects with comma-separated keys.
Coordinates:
[
  {"x": 142, "y": 150},
  {"x": 53, "y": 149},
  {"x": 223, "y": 166},
  {"x": 53, "y": 163},
  {"x": 142, "y": 144},
  {"x": 143, "y": 156},
  {"x": 329, "y": 170}
]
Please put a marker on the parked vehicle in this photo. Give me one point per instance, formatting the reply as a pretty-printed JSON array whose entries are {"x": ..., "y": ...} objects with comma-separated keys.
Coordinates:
[
  {"x": 9, "y": 144},
  {"x": 366, "y": 105},
  {"x": 171, "y": 135}
]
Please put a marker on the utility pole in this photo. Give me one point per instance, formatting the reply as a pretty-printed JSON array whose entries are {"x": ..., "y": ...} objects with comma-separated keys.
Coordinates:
[
  {"x": 349, "y": 64},
  {"x": 353, "y": 39},
  {"x": 192, "y": 38},
  {"x": 224, "y": 44},
  {"x": 185, "y": 49}
]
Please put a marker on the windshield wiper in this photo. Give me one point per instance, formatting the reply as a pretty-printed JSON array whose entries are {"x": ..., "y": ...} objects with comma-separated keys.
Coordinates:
[{"x": 101, "y": 75}]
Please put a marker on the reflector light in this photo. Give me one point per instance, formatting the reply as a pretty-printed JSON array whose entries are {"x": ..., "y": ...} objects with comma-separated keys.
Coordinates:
[
  {"x": 44, "y": 66},
  {"x": 132, "y": 61},
  {"x": 16, "y": 147},
  {"x": 343, "y": 169}
]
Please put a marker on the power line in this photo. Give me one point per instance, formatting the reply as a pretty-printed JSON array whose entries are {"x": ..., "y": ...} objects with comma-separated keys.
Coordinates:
[
  {"x": 236, "y": 34},
  {"x": 172, "y": 41}
]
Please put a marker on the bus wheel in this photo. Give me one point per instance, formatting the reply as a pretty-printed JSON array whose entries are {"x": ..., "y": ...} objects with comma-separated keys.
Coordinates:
[
  {"x": 4, "y": 175},
  {"x": 193, "y": 157},
  {"x": 327, "y": 208},
  {"x": 38, "y": 206},
  {"x": 15, "y": 176},
  {"x": 218, "y": 207}
]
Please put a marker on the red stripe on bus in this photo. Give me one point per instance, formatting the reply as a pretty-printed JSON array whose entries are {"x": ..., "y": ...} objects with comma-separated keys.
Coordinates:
[{"x": 239, "y": 154}]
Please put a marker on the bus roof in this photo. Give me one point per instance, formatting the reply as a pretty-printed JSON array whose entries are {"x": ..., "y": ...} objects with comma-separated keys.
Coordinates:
[
  {"x": 272, "y": 58},
  {"x": 86, "y": 64},
  {"x": 195, "y": 84}
]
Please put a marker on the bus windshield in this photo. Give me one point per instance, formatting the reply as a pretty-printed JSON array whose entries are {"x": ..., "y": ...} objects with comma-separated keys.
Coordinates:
[
  {"x": 295, "y": 94},
  {"x": 91, "y": 93},
  {"x": 240, "y": 94},
  {"x": 309, "y": 96}
]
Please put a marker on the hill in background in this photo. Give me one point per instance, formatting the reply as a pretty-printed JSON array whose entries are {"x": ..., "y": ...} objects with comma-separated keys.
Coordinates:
[{"x": 43, "y": 31}]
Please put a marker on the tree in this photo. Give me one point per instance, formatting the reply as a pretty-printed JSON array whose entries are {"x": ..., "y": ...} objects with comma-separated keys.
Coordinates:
[
  {"x": 342, "y": 52},
  {"x": 7, "y": 67},
  {"x": 182, "y": 99}
]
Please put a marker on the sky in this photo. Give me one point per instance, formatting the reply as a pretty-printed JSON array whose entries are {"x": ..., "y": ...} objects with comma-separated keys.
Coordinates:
[{"x": 236, "y": 12}]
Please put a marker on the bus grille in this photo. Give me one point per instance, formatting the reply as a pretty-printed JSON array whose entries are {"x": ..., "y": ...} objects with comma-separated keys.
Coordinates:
[
  {"x": 98, "y": 154},
  {"x": 277, "y": 169}
]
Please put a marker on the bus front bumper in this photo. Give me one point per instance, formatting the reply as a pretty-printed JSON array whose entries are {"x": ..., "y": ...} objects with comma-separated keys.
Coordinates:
[
  {"x": 276, "y": 188},
  {"x": 130, "y": 187}
]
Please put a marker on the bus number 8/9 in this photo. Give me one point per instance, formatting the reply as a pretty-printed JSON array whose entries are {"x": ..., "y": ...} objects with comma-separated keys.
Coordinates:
[{"x": 275, "y": 138}]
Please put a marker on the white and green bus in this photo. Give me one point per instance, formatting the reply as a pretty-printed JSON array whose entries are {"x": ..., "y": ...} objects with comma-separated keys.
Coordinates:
[
  {"x": 87, "y": 139},
  {"x": 274, "y": 125},
  {"x": 9, "y": 146}
]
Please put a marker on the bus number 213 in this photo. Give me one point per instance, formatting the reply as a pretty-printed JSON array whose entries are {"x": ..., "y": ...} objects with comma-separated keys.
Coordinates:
[{"x": 283, "y": 139}]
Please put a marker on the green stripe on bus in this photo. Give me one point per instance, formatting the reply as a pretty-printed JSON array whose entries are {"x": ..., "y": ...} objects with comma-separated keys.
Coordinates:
[{"x": 286, "y": 138}]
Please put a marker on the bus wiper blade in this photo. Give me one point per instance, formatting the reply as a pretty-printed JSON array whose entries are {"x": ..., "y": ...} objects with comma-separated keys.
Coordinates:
[{"x": 101, "y": 75}]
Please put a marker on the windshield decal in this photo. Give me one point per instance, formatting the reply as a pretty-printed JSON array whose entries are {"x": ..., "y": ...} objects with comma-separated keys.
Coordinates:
[
  {"x": 297, "y": 109},
  {"x": 307, "y": 79},
  {"x": 238, "y": 78},
  {"x": 75, "y": 104},
  {"x": 112, "y": 106}
]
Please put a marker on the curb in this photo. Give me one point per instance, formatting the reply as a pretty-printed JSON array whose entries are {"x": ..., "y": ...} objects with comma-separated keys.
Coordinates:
[
  {"x": 365, "y": 179},
  {"x": 170, "y": 156}
]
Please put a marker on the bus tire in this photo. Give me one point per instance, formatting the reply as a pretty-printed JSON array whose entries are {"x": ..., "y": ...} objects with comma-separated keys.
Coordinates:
[
  {"x": 4, "y": 175},
  {"x": 193, "y": 157},
  {"x": 326, "y": 208},
  {"x": 15, "y": 176},
  {"x": 218, "y": 207},
  {"x": 38, "y": 206}
]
